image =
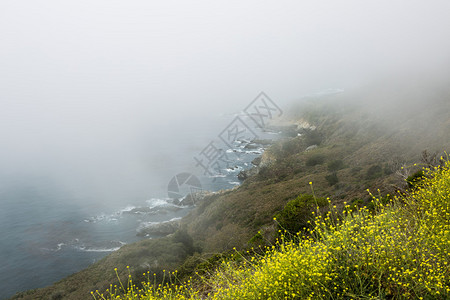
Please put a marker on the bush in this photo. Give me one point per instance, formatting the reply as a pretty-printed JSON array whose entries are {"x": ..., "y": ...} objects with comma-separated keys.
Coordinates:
[
  {"x": 181, "y": 236},
  {"x": 316, "y": 159},
  {"x": 399, "y": 251},
  {"x": 415, "y": 178},
  {"x": 312, "y": 137},
  {"x": 374, "y": 172},
  {"x": 57, "y": 295},
  {"x": 332, "y": 179},
  {"x": 257, "y": 239},
  {"x": 335, "y": 165},
  {"x": 291, "y": 146},
  {"x": 296, "y": 213}
]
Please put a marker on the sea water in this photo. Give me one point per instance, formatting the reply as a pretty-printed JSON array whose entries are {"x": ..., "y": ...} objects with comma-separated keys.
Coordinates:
[{"x": 46, "y": 234}]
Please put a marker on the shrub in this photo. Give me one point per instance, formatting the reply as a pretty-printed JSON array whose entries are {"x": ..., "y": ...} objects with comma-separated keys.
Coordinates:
[
  {"x": 316, "y": 159},
  {"x": 296, "y": 213},
  {"x": 182, "y": 236},
  {"x": 415, "y": 178},
  {"x": 57, "y": 295},
  {"x": 374, "y": 172},
  {"x": 332, "y": 179},
  {"x": 387, "y": 169},
  {"x": 312, "y": 137},
  {"x": 335, "y": 165},
  {"x": 257, "y": 239},
  {"x": 399, "y": 251},
  {"x": 291, "y": 146}
]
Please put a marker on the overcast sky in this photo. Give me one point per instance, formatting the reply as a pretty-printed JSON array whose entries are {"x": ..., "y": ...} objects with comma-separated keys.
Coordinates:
[{"x": 90, "y": 82}]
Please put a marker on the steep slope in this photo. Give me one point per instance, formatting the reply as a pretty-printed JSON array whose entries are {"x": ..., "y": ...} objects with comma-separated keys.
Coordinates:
[{"x": 351, "y": 145}]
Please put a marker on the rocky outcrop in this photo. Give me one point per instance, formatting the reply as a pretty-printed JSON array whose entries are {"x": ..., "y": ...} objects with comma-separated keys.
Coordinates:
[
  {"x": 312, "y": 147},
  {"x": 193, "y": 199},
  {"x": 257, "y": 161},
  {"x": 244, "y": 174},
  {"x": 261, "y": 161},
  {"x": 158, "y": 229},
  {"x": 145, "y": 210}
]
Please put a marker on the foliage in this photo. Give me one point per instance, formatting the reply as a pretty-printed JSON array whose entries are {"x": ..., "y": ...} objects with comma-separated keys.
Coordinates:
[
  {"x": 297, "y": 212},
  {"x": 257, "y": 239},
  {"x": 312, "y": 137},
  {"x": 400, "y": 252},
  {"x": 181, "y": 236},
  {"x": 316, "y": 159},
  {"x": 229, "y": 219},
  {"x": 332, "y": 178},
  {"x": 335, "y": 165},
  {"x": 291, "y": 146},
  {"x": 374, "y": 171},
  {"x": 415, "y": 178}
]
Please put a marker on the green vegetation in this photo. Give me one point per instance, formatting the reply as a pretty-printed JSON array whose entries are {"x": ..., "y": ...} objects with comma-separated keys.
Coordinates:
[
  {"x": 415, "y": 178},
  {"x": 332, "y": 178},
  {"x": 374, "y": 172},
  {"x": 335, "y": 165},
  {"x": 355, "y": 152},
  {"x": 316, "y": 159},
  {"x": 400, "y": 252},
  {"x": 313, "y": 137},
  {"x": 296, "y": 215}
]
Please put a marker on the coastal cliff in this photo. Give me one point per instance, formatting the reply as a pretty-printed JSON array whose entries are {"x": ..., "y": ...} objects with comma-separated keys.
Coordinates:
[{"x": 340, "y": 146}]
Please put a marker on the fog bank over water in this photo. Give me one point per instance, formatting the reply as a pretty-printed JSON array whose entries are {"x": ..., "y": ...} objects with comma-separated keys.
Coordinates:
[
  {"x": 103, "y": 102},
  {"x": 109, "y": 99}
]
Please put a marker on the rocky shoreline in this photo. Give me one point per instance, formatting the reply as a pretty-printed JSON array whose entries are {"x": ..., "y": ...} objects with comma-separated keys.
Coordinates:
[
  {"x": 161, "y": 229},
  {"x": 286, "y": 130}
]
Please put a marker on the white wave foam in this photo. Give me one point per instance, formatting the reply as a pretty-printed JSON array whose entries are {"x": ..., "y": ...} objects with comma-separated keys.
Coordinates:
[
  {"x": 233, "y": 169},
  {"x": 127, "y": 209},
  {"x": 218, "y": 176},
  {"x": 59, "y": 246},
  {"x": 144, "y": 225},
  {"x": 255, "y": 151},
  {"x": 56, "y": 249},
  {"x": 100, "y": 249},
  {"x": 112, "y": 217},
  {"x": 155, "y": 202},
  {"x": 96, "y": 219},
  {"x": 104, "y": 217}
]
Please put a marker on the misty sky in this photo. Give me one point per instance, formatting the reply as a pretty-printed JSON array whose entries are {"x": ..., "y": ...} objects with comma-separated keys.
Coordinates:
[{"x": 91, "y": 91}]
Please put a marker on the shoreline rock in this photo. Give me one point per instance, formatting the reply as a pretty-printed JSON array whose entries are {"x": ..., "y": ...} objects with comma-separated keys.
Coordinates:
[{"x": 159, "y": 229}]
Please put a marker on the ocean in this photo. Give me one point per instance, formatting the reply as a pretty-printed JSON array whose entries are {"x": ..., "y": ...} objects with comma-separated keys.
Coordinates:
[{"x": 49, "y": 232}]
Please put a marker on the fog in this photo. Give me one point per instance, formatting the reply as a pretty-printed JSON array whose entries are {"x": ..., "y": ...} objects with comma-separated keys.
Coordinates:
[{"x": 104, "y": 97}]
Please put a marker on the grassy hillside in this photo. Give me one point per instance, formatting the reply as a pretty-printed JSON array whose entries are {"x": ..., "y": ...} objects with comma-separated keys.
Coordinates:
[
  {"x": 396, "y": 250},
  {"x": 347, "y": 148},
  {"x": 356, "y": 151}
]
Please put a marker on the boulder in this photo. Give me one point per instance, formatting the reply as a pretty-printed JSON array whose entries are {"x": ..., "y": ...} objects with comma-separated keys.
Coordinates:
[{"x": 257, "y": 161}]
